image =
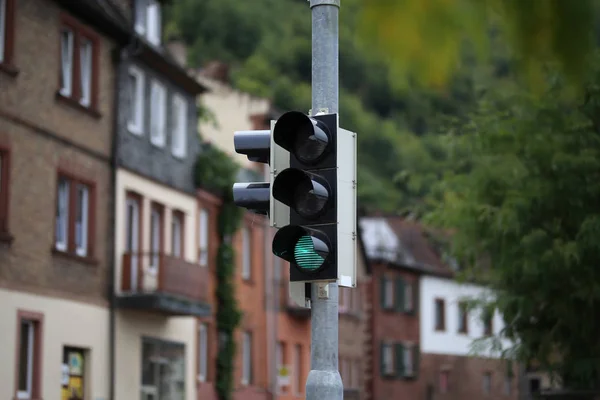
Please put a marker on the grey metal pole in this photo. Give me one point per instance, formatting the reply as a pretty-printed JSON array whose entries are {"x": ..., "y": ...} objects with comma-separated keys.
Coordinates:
[{"x": 324, "y": 381}]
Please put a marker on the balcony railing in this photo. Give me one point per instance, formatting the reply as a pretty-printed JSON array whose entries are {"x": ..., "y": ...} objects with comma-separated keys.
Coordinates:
[{"x": 158, "y": 276}]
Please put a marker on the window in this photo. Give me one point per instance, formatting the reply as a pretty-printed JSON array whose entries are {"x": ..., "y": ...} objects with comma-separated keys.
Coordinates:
[
  {"x": 163, "y": 369},
  {"x": 246, "y": 253},
  {"x": 488, "y": 322},
  {"x": 85, "y": 52},
  {"x": 177, "y": 234},
  {"x": 156, "y": 229},
  {"x": 7, "y": 10},
  {"x": 29, "y": 334},
  {"x": 3, "y": 34},
  {"x": 507, "y": 385},
  {"x": 4, "y": 187},
  {"x": 148, "y": 20},
  {"x": 387, "y": 292},
  {"x": 66, "y": 57},
  {"x": 440, "y": 315},
  {"x": 408, "y": 360},
  {"x": 408, "y": 297},
  {"x": 444, "y": 381},
  {"x": 247, "y": 359},
  {"x": 356, "y": 374},
  {"x": 463, "y": 326},
  {"x": 203, "y": 238},
  {"x": 73, "y": 216},
  {"x": 202, "y": 352},
  {"x": 298, "y": 369},
  {"x": 487, "y": 383},
  {"x": 179, "y": 129},
  {"x": 387, "y": 359},
  {"x": 283, "y": 378},
  {"x": 158, "y": 104},
  {"x": 136, "y": 101},
  {"x": 78, "y": 50},
  {"x": 74, "y": 364}
]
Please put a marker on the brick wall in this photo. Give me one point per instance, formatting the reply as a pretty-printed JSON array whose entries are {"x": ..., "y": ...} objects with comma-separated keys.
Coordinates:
[
  {"x": 393, "y": 326},
  {"x": 466, "y": 378},
  {"x": 44, "y": 134}
]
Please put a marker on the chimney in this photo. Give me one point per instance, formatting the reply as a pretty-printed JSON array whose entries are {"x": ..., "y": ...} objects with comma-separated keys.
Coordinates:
[
  {"x": 217, "y": 70},
  {"x": 178, "y": 50}
]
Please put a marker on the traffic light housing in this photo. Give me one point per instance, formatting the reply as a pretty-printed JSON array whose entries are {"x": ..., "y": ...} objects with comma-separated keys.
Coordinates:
[
  {"x": 256, "y": 145},
  {"x": 319, "y": 190}
]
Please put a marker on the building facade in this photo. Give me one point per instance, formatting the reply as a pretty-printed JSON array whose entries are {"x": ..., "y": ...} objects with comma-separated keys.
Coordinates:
[
  {"x": 423, "y": 330},
  {"x": 161, "y": 285},
  {"x": 56, "y": 128}
]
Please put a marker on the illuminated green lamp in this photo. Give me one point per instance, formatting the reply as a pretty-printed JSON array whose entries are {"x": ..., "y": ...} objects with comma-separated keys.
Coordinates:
[{"x": 306, "y": 255}]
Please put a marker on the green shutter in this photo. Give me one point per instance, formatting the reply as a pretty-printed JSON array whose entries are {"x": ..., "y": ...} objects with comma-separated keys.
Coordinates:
[
  {"x": 382, "y": 291},
  {"x": 381, "y": 355},
  {"x": 416, "y": 359},
  {"x": 415, "y": 285},
  {"x": 399, "y": 298},
  {"x": 399, "y": 355}
]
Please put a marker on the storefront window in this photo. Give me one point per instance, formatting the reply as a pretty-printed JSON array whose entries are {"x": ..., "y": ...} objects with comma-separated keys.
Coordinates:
[{"x": 163, "y": 370}]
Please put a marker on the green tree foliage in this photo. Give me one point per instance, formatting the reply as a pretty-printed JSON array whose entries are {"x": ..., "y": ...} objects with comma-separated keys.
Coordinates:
[
  {"x": 529, "y": 203},
  {"x": 425, "y": 38},
  {"x": 268, "y": 44}
]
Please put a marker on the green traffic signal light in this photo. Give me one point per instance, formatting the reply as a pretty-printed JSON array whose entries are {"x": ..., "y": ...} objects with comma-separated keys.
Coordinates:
[
  {"x": 306, "y": 248},
  {"x": 305, "y": 255}
]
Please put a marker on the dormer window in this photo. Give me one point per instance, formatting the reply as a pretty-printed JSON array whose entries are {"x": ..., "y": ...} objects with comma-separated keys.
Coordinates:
[{"x": 148, "y": 20}]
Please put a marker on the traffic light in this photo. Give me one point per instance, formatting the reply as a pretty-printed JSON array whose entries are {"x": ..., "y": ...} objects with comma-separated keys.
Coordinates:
[
  {"x": 319, "y": 189},
  {"x": 255, "y": 196}
]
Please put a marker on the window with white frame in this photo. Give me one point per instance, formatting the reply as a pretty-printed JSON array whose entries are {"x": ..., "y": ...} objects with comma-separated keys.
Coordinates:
[
  {"x": 66, "y": 58},
  {"x": 85, "y": 71},
  {"x": 148, "y": 20},
  {"x": 179, "y": 128},
  {"x": 389, "y": 293},
  {"x": 2, "y": 29},
  {"x": 177, "y": 234},
  {"x": 247, "y": 358},
  {"x": 136, "y": 101},
  {"x": 62, "y": 214},
  {"x": 82, "y": 220},
  {"x": 203, "y": 238},
  {"x": 155, "y": 237},
  {"x": 26, "y": 359},
  {"x": 246, "y": 253},
  {"x": 77, "y": 63},
  {"x": 158, "y": 104},
  {"x": 202, "y": 352},
  {"x": 72, "y": 210},
  {"x": 387, "y": 362},
  {"x": 507, "y": 385}
]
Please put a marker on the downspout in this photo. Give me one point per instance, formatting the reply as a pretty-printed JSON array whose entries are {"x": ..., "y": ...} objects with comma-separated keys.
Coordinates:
[
  {"x": 112, "y": 246},
  {"x": 119, "y": 56}
]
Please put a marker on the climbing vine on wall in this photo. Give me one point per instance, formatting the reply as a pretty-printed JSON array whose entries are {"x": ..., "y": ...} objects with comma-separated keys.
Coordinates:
[{"x": 215, "y": 172}]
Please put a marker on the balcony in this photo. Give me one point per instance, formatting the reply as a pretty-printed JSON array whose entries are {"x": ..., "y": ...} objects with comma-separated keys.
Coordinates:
[
  {"x": 287, "y": 304},
  {"x": 164, "y": 284}
]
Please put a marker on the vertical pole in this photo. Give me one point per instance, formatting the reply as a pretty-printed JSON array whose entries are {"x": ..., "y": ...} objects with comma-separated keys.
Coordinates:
[{"x": 324, "y": 381}]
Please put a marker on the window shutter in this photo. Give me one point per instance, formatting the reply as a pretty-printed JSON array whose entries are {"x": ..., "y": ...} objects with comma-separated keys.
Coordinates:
[
  {"x": 399, "y": 295},
  {"x": 399, "y": 353},
  {"x": 382, "y": 288},
  {"x": 416, "y": 359},
  {"x": 381, "y": 357},
  {"x": 415, "y": 289}
]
